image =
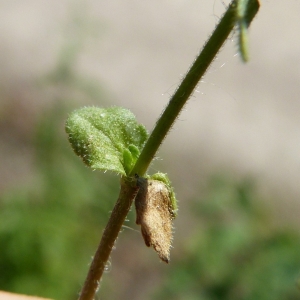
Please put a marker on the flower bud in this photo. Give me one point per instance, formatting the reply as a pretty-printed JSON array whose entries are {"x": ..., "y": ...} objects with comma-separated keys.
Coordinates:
[{"x": 154, "y": 214}]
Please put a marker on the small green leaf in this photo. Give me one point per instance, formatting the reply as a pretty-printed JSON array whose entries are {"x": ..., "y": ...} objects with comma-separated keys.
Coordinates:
[
  {"x": 108, "y": 139},
  {"x": 130, "y": 156},
  {"x": 245, "y": 12},
  {"x": 243, "y": 41}
]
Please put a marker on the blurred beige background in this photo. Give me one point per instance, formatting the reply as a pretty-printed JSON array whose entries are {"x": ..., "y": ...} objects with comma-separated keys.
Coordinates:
[{"x": 243, "y": 119}]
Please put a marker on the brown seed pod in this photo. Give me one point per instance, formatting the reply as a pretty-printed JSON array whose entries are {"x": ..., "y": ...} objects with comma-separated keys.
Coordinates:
[{"x": 153, "y": 213}]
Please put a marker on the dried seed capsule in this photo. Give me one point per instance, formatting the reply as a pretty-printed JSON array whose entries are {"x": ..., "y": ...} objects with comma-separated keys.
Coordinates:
[{"x": 154, "y": 214}]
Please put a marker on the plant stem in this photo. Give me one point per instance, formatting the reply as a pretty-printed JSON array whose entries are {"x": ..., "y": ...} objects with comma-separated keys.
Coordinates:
[
  {"x": 188, "y": 84},
  {"x": 163, "y": 125},
  {"x": 110, "y": 234}
]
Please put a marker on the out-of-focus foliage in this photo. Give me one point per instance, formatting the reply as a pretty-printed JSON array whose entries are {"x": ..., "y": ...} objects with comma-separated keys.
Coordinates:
[
  {"x": 233, "y": 251},
  {"x": 50, "y": 230}
]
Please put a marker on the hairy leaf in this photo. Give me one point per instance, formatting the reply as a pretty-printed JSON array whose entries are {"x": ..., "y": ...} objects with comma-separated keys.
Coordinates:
[{"x": 102, "y": 137}]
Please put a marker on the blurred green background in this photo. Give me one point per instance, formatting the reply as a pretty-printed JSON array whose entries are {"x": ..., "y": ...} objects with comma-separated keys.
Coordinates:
[{"x": 227, "y": 245}]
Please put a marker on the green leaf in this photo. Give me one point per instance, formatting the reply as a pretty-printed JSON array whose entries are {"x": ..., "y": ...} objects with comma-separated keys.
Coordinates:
[
  {"x": 130, "y": 156},
  {"x": 108, "y": 139},
  {"x": 245, "y": 12}
]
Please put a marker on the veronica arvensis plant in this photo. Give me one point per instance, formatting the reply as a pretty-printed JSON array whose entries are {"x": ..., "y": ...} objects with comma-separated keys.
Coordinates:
[{"x": 111, "y": 139}]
